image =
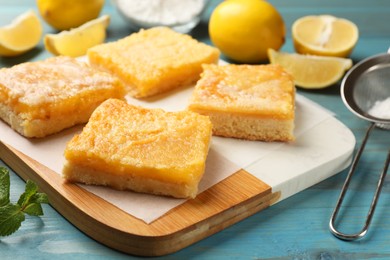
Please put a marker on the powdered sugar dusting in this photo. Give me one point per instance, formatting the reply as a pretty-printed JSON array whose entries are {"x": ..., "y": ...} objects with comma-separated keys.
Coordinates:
[
  {"x": 381, "y": 109},
  {"x": 54, "y": 79},
  {"x": 164, "y": 12}
]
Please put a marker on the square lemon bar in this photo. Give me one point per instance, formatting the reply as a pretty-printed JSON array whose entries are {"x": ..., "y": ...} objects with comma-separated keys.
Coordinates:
[
  {"x": 253, "y": 102},
  {"x": 44, "y": 97},
  {"x": 128, "y": 147},
  {"x": 153, "y": 61}
]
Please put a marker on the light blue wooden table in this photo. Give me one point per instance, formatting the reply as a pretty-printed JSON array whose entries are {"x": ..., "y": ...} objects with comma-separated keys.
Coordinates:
[{"x": 296, "y": 228}]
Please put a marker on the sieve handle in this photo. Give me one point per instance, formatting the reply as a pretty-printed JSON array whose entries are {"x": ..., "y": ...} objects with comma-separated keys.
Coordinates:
[{"x": 334, "y": 231}]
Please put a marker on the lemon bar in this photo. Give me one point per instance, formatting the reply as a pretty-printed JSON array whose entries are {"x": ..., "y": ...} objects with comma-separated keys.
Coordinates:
[
  {"x": 154, "y": 61},
  {"x": 44, "y": 97},
  {"x": 253, "y": 102},
  {"x": 128, "y": 147}
]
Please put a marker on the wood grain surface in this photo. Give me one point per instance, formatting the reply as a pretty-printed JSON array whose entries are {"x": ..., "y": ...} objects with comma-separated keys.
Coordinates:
[
  {"x": 296, "y": 228},
  {"x": 220, "y": 206}
]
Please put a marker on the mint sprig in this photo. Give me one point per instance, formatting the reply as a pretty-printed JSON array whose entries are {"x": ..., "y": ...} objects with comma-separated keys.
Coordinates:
[{"x": 12, "y": 215}]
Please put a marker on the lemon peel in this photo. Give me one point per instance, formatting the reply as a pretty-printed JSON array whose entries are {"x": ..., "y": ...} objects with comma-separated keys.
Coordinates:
[
  {"x": 324, "y": 35},
  {"x": 311, "y": 71},
  {"x": 77, "y": 41},
  {"x": 21, "y": 35},
  {"x": 68, "y": 14},
  {"x": 243, "y": 30}
]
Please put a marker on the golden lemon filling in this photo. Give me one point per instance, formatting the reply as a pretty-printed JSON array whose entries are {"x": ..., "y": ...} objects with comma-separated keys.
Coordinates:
[
  {"x": 44, "y": 97},
  {"x": 257, "y": 90},
  {"x": 154, "y": 61},
  {"x": 253, "y": 102},
  {"x": 140, "y": 146}
]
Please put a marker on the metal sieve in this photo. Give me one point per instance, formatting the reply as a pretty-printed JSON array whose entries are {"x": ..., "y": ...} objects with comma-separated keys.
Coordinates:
[{"x": 363, "y": 86}]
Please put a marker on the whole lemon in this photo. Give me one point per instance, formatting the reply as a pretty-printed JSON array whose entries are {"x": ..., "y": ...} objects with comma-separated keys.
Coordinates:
[
  {"x": 67, "y": 14},
  {"x": 245, "y": 29}
]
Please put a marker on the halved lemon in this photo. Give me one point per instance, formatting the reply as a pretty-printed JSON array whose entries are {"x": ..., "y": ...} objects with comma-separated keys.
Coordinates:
[
  {"x": 77, "y": 41},
  {"x": 311, "y": 71},
  {"x": 324, "y": 35},
  {"x": 21, "y": 35}
]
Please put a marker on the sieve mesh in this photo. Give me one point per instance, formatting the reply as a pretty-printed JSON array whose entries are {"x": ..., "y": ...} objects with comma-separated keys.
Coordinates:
[{"x": 365, "y": 84}]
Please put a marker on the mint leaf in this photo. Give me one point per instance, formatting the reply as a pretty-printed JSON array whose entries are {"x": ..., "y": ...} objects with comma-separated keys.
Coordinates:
[
  {"x": 4, "y": 186},
  {"x": 33, "y": 209},
  {"x": 11, "y": 217},
  {"x": 39, "y": 198},
  {"x": 31, "y": 189},
  {"x": 30, "y": 201}
]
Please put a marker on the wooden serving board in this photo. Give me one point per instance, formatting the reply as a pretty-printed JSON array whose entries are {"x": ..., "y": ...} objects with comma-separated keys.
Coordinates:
[
  {"x": 226, "y": 203},
  {"x": 322, "y": 151}
]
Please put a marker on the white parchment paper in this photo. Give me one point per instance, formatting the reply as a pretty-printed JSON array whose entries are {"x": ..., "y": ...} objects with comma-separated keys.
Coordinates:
[{"x": 226, "y": 155}]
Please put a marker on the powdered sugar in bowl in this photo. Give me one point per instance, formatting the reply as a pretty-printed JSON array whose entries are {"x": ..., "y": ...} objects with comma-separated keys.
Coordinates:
[{"x": 180, "y": 15}]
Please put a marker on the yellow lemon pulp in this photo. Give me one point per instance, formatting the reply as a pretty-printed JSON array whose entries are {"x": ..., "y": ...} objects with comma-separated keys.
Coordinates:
[
  {"x": 77, "y": 41},
  {"x": 21, "y": 35},
  {"x": 324, "y": 35},
  {"x": 243, "y": 30},
  {"x": 311, "y": 71},
  {"x": 67, "y": 14}
]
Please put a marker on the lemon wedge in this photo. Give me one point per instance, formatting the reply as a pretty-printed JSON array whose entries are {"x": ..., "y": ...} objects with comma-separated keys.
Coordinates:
[
  {"x": 311, "y": 71},
  {"x": 77, "y": 41},
  {"x": 21, "y": 35},
  {"x": 324, "y": 35}
]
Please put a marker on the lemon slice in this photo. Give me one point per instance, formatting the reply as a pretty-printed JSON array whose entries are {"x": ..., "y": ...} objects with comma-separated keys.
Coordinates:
[
  {"x": 21, "y": 35},
  {"x": 324, "y": 35},
  {"x": 311, "y": 71},
  {"x": 77, "y": 41}
]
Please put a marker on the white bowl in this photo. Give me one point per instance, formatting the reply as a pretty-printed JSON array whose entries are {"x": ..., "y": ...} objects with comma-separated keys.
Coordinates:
[{"x": 180, "y": 15}]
